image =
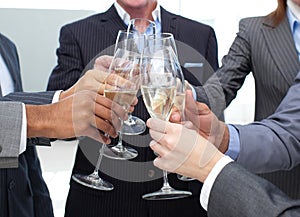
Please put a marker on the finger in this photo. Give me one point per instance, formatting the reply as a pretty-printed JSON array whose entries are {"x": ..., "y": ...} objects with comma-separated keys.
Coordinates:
[
  {"x": 175, "y": 117},
  {"x": 157, "y": 136},
  {"x": 118, "y": 81},
  {"x": 103, "y": 62},
  {"x": 96, "y": 135},
  {"x": 158, "y": 125},
  {"x": 105, "y": 127},
  {"x": 188, "y": 124},
  {"x": 190, "y": 103},
  {"x": 161, "y": 151}
]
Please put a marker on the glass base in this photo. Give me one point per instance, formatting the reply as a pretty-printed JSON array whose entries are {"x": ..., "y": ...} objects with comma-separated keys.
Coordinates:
[
  {"x": 133, "y": 126},
  {"x": 120, "y": 153},
  {"x": 184, "y": 178},
  {"x": 93, "y": 181},
  {"x": 167, "y": 194}
]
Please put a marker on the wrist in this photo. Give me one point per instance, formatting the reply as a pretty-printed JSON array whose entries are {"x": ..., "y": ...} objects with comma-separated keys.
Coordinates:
[
  {"x": 37, "y": 120},
  {"x": 66, "y": 93},
  {"x": 225, "y": 139}
]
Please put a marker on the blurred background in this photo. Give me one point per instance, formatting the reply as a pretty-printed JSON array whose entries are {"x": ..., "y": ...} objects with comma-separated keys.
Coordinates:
[{"x": 34, "y": 25}]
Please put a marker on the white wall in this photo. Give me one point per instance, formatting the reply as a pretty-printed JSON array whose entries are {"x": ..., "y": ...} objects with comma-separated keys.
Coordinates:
[{"x": 35, "y": 33}]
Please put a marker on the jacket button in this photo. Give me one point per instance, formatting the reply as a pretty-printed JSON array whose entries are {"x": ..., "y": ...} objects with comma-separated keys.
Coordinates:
[
  {"x": 0, "y": 148},
  {"x": 11, "y": 186}
]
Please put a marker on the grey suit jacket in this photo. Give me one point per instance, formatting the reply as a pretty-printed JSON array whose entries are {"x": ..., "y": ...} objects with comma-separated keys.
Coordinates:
[
  {"x": 10, "y": 132},
  {"x": 269, "y": 52},
  {"x": 237, "y": 192},
  {"x": 274, "y": 143}
]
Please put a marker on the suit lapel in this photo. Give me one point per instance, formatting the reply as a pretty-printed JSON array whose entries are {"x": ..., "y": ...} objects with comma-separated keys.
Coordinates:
[
  {"x": 112, "y": 22},
  {"x": 280, "y": 44},
  {"x": 12, "y": 64},
  {"x": 168, "y": 23}
]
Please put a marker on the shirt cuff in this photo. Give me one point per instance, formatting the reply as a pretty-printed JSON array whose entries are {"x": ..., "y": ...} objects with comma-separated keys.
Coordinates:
[
  {"x": 234, "y": 145},
  {"x": 210, "y": 180},
  {"x": 56, "y": 96},
  {"x": 23, "y": 140}
]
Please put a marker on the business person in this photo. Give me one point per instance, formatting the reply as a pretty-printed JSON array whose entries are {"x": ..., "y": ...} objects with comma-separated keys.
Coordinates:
[
  {"x": 229, "y": 190},
  {"x": 23, "y": 190},
  {"x": 268, "y": 47},
  {"x": 79, "y": 43},
  {"x": 31, "y": 194}
]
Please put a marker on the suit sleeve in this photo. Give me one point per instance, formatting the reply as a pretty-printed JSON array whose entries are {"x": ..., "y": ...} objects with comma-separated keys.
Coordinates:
[
  {"x": 237, "y": 192},
  {"x": 222, "y": 88},
  {"x": 274, "y": 143},
  {"x": 38, "y": 98},
  {"x": 10, "y": 133}
]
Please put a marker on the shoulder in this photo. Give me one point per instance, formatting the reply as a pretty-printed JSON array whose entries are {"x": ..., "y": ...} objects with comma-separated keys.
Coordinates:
[
  {"x": 185, "y": 22},
  {"x": 252, "y": 21},
  {"x": 5, "y": 40},
  {"x": 84, "y": 21}
]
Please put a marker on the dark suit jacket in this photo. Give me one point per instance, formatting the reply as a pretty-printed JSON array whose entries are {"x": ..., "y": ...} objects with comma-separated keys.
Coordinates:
[
  {"x": 23, "y": 191},
  {"x": 79, "y": 43},
  {"x": 237, "y": 192}
]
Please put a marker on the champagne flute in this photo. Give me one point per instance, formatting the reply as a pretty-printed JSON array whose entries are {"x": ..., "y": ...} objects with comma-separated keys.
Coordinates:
[
  {"x": 159, "y": 72},
  {"x": 124, "y": 67},
  {"x": 131, "y": 41},
  {"x": 162, "y": 39},
  {"x": 134, "y": 39},
  {"x": 179, "y": 103}
]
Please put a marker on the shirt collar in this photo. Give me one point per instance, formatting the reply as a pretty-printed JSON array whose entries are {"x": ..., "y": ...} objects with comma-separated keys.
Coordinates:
[
  {"x": 126, "y": 17},
  {"x": 292, "y": 19}
]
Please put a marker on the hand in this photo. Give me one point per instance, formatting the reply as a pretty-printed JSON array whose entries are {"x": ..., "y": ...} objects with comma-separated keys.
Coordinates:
[
  {"x": 182, "y": 150},
  {"x": 92, "y": 80},
  {"x": 205, "y": 122},
  {"x": 102, "y": 63},
  {"x": 81, "y": 114}
]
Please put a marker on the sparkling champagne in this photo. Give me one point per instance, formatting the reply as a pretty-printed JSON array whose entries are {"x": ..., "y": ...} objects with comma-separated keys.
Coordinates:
[
  {"x": 123, "y": 97},
  {"x": 159, "y": 100}
]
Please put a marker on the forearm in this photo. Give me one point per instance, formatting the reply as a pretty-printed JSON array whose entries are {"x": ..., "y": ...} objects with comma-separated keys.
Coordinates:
[{"x": 39, "y": 121}]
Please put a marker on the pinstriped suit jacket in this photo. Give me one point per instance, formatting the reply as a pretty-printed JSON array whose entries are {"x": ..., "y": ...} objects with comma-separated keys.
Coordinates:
[
  {"x": 79, "y": 43},
  {"x": 23, "y": 191},
  {"x": 269, "y": 52}
]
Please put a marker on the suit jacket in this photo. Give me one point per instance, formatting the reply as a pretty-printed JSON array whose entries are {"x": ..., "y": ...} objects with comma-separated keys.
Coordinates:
[
  {"x": 10, "y": 133},
  {"x": 268, "y": 52},
  {"x": 79, "y": 43},
  {"x": 237, "y": 192},
  {"x": 274, "y": 143},
  {"x": 23, "y": 191}
]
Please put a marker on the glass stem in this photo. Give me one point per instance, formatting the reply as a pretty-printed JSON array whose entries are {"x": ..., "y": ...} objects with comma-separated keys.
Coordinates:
[
  {"x": 120, "y": 145},
  {"x": 101, "y": 151},
  {"x": 166, "y": 185}
]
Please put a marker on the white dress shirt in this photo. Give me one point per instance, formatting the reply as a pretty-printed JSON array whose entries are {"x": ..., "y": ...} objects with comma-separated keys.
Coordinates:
[{"x": 6, "y": 81}]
